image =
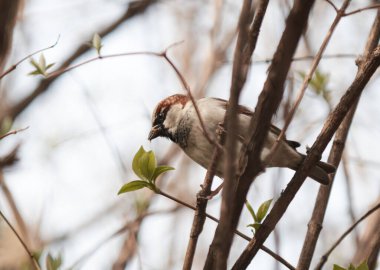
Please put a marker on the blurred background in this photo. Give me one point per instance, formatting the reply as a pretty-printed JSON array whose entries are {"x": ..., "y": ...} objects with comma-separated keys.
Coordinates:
[{"x": 86, "y": 125}]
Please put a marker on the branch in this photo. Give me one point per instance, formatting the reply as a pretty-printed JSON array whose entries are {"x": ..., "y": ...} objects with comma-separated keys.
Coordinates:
[
  {"x": 362, "y": 9},
  {"x": 8, "y": 18},
  {"x": 369, "y": 245},
  {"x": 268, "y": 103},
  {"x": 14, "y": 66},
  {"x": 265, "y": 249},
  {"x": 245, "y": 46},
  {"x": 134, "y": 8},
  {"x": 306, "y": 82},
  {"x": 309, "y": 57},
  {"x": 367, "y": 68},
  {"x": 201, "y": 205},
  {"x": 30, "y": 254},
  {"x": 320, "y": 206},
  {"x": 12, "y": 132},
  {"x": 333, "y": 5},
  {"x": 340, "y": 239},
  {"x": 162, "y": 54}
]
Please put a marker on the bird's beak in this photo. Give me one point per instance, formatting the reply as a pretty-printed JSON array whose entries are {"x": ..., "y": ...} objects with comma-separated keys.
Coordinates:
[{"x": 154, "y": 132}]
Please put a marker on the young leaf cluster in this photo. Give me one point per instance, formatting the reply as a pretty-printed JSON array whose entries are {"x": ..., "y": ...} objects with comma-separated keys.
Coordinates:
[
  {"x": 144, "y": 165},
  {"x": 40, "y": 67},
  {"x": 362, "y": 266},
  {"x": 53, "y": 263},
  {"x": 319, "y": 84},
  {"x": 258, "y": 216},
  {"x": 97, "y": 43}
]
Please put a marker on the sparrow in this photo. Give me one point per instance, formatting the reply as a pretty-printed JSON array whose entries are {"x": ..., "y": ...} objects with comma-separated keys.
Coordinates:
[{"x": 175, "y": 118}]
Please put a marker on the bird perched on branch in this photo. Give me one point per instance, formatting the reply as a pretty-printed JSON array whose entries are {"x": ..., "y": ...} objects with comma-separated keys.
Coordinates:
[{"x": 175, "y": 118}]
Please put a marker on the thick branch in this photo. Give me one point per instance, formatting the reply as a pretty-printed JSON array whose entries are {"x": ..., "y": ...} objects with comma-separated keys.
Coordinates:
[
  {"x": 366, "y": 69},
  {"x": 8, "y": 16},
  {"x": 320, "y": 206},
  {"x": 246, "y": 43},
  {"x": 268, "y": 103}
]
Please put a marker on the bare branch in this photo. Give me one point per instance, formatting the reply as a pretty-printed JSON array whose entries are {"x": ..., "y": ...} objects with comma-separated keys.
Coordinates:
[
  {"x": 14, "y": 66},
  {"x": 134, "y": 8},
  {"x": 367, "y": 68},
  {"x": 333, "y": 5},
  {"x": 9, "y": 10},
  {"x": 347, "y": 232},
  {"x": 246, "y": 44},
  {"x": 30, "y": 253},
  {"x": 268, "y": 103},
  {"x": 307, "y": 80},
  {"x": 362, "y": 9},
  {"x": 320, "y": 206},
  {"x": 267, "y": 250},
  {"x": 12, "y": 132}
]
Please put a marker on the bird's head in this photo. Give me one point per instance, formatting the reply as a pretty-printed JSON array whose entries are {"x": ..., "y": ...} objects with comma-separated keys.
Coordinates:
[{"x": 166, "y": 117}]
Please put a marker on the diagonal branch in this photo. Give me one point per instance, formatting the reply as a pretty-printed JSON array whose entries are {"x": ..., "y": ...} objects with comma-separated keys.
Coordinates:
[
  {"x": 134, "y": 8},
  {"x": 320, "y": 206},
  {"x": 347, "y": 232},
  {"x": 268, "y": 103},
  {"x": 307, "y": 80},
  {"x": 246, "y": 43},
  {"x": 367, "y": 68}
]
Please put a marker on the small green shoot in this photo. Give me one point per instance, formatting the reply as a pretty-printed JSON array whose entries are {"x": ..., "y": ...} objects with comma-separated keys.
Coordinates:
[
  {"x": 258, "y": 216},
  {"x": 53, "y": 263},
  {"x": 319, "y": 84},
  {"x": 362, "y": 266},
  {"x": 144, "y": 165},
  {"x": 97, "y": 43},
  {"x": 40, "y": 67}
]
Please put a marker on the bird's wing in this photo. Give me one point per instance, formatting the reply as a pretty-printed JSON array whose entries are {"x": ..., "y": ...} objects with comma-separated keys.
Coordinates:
[{"x": 247, "y": 111}]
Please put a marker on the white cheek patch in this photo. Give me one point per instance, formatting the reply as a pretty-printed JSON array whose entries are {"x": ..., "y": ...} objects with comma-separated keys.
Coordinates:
[{"x": 173, "y": 117}]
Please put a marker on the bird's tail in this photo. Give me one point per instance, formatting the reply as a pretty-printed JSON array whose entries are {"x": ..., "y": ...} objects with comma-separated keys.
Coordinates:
[{"x": 321, "y": 171}]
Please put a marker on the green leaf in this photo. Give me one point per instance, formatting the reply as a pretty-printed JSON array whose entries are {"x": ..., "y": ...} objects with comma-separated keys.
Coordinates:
[
  {"x": 53, "y": 263},
  {"x": 42, "y": 62},
  {"x": 6, "y": 125},
  {"x": 136, "y": 163},
  {"x": 97, "y": 43},
  {"x": 337, "y": 267},
  {"x": 49, "y": 66},
  {"x": 40, "y": 67},
  {"x": 255, "y": 225},
  {"x": 132, "y": 186},
  {"x": 148, "y": 165},
  {"x": 250, "y": 209},
  {"x": 363, "y": 266},
  {"x": 263, "y": 210},
  {"x": 160, "y": 170},
  {"x": 35, "y": 72}
]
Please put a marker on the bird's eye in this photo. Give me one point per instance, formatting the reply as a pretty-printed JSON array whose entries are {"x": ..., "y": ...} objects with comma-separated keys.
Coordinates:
[{"x": 160, "y": 117}]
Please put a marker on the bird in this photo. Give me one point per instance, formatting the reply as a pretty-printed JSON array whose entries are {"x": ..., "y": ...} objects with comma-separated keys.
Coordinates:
[{"x": 175, "y": 118}]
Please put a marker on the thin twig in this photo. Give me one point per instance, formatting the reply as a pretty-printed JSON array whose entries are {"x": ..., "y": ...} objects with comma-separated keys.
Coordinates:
[
  {"x": 321, "y": 203},
  {"x": 14, "y": 66},
  {"x": 242, "y": 235},
  {"x": 361, "y": 9},
  {"x": 367, "y": 68},
  {"x": 31, "y": 256},
  {"x": 309, "y": 57},
  {"x": 201, "y": 205},
  {"x": 13, "y": 132},
  {"x": 162, "y": 54},
  {"x": 134, "y": 8},
  {"x": 306, "y": 81},
  {"x": 325, "y": 257},
  {"x": 333, "y": 5}
]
